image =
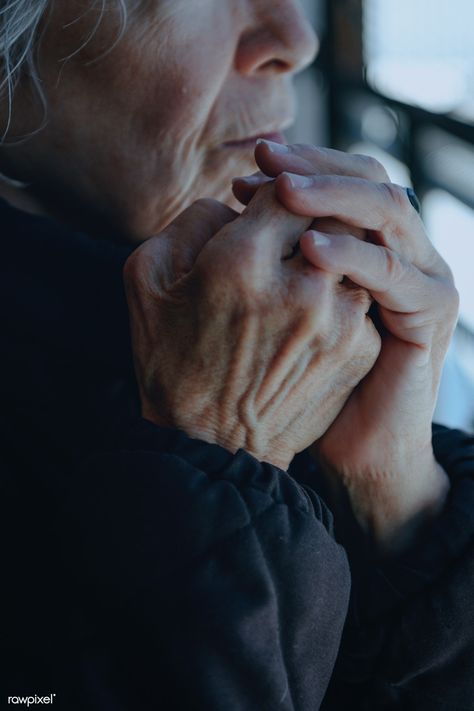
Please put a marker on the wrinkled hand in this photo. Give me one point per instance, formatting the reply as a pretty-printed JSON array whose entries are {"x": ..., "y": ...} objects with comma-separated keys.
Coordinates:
[
  {"x": 237, "y": 342},
  {"x": 380, "y": 445}
]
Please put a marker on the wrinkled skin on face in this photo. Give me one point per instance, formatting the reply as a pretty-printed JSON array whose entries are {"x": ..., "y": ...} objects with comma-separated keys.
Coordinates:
[{"x": 138, "y": 127}]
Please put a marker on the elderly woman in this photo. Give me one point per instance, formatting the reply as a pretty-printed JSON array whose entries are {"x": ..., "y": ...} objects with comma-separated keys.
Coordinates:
[{"x": 166, "y": 541}]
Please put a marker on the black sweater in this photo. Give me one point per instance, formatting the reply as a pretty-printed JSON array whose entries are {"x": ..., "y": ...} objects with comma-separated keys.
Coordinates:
[{"x": 145, "y": 570}]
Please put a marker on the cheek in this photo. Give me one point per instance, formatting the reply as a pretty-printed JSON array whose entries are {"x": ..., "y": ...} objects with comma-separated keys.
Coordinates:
[
  {"x": 168, "y": 122},
  {"x": 191, "y": 98},
  {"x": 180, "y": 79}
]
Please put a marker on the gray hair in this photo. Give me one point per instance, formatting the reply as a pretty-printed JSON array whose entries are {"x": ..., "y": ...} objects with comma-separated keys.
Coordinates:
[{"x": 20, "y": 21}]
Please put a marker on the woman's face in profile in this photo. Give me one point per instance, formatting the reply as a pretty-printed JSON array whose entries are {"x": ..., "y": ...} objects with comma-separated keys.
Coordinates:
[{"x": 139, "y": 130}]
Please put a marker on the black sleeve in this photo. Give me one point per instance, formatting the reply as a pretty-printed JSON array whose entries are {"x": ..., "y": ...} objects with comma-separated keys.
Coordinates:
[
  {"x": 208, "y": 580},
  {"x": 408, "y": 643}
]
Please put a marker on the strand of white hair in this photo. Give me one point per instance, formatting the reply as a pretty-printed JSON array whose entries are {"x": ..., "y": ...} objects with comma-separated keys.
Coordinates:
[{"x": 20, "y": 22}]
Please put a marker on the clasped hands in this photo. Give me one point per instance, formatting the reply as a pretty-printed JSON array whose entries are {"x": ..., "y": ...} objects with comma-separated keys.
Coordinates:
[{"x": 243, "y": 339}]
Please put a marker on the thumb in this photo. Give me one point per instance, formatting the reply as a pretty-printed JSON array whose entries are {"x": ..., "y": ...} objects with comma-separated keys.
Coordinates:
[{"x": 162, "y": 260}]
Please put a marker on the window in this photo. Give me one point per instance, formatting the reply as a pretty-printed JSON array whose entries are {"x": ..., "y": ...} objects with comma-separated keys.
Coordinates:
[{"x": 395, "y": 79}]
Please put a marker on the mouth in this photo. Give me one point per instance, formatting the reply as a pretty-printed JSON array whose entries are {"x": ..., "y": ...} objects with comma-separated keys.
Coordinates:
[{"x": 251, "y": 141}]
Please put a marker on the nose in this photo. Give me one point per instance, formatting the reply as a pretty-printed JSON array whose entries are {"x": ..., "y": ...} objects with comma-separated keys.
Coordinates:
[{"x": 279, "y": 39}]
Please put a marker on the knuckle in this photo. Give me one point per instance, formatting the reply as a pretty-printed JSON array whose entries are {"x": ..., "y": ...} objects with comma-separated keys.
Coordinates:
[
  {"x": 133, "y": 267},
  {"x": 366, "y": 346},
  {"x": 396, "y": 197},
  {"x": 210, "y": 208},
  {"x": 372, "y": 168},
  {"x": 451, "y": 299},
  {"x": 144, "y": 266},
  {"x": 456, "y": 300},
  {"x": 359, "y": 296},
  {"x": 444, "y": 269},
  {"x": 394, "y": 269}
]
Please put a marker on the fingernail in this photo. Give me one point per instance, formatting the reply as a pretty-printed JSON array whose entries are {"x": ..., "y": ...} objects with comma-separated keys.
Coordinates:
[
  {"x": 274, "y": 147},
  {"x": 319, "y": 240},
  {"x": 299, "y": 181}
]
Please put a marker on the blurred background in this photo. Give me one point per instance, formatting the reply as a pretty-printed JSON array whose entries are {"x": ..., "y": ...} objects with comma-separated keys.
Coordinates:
[{"x": 395, "y": 79}]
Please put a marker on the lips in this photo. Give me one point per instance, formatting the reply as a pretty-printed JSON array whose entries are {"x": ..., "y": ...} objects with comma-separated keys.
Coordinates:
[{"x": 276, "y": 137}]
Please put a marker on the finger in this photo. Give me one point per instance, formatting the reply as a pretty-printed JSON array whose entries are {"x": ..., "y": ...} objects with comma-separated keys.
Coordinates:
[
  {"x": 163, "y": 259},
  {"x": 244, "y": 188},
  {"x": 303, "y": 159},
  {"x": 382, "y": 208},
  {"x": 266, "y": 229},
  {"x": 394, "y": 283}
]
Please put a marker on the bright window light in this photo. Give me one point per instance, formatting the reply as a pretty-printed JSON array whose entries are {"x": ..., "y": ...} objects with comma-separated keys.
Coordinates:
[
  {"x": 422, "y": 52},
  {"x": 450, "y": 225}
]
